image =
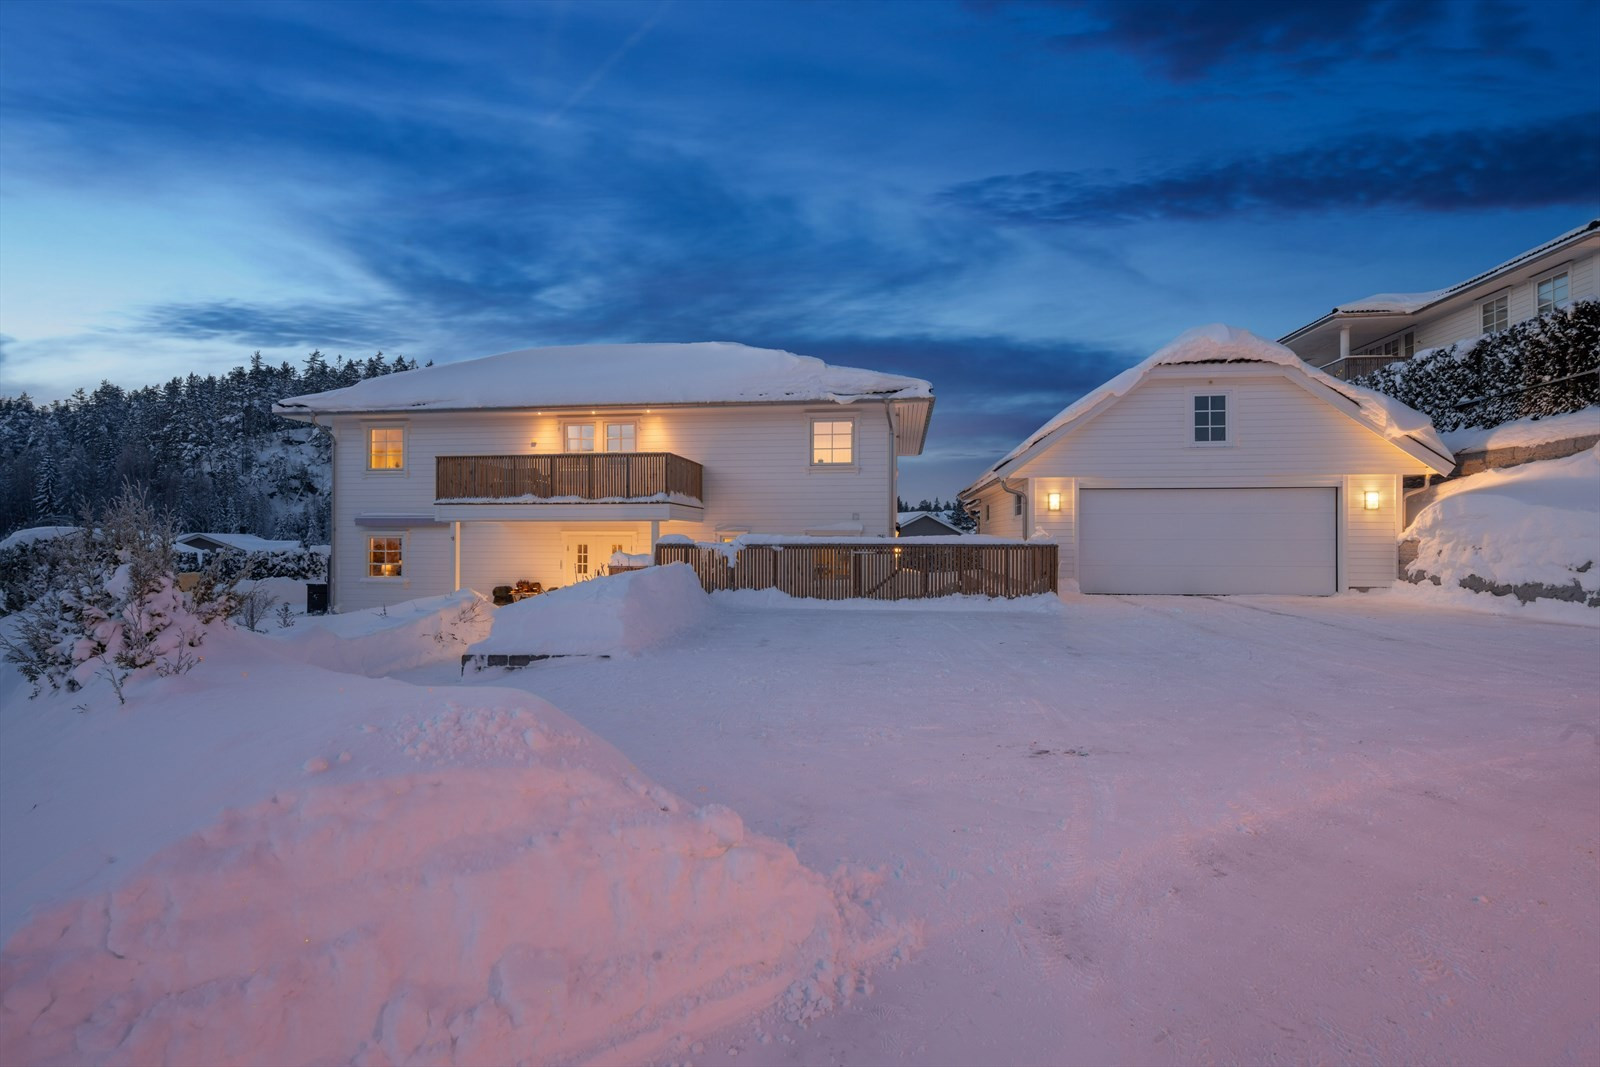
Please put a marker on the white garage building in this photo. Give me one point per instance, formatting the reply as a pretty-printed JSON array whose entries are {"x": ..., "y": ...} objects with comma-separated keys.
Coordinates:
[{"x": 1221, "y": 464}]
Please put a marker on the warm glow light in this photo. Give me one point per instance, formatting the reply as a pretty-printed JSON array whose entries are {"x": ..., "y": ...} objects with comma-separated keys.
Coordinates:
[
  {"x": 1370, "y": 500},
  {"x": 1054, "y": 501}
]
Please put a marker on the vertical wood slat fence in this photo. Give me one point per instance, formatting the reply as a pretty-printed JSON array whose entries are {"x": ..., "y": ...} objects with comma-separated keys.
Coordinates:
[
  {"x": 585, "y": 475},
  {"x": 877, "y": 570}
]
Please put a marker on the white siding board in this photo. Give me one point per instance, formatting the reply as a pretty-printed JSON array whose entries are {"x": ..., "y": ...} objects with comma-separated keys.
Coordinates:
[
  {"x": 1283, "y": 437},
  {"x": 756, "y": 461}
]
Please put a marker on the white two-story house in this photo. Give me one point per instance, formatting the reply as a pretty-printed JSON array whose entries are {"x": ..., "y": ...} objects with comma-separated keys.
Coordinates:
[
  {"x": 1359, "y": 337},
  {"x": 538, "y": 465}
]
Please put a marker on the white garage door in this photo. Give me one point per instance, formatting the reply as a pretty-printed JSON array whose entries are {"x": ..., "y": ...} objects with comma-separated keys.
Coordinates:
[{"x": 1208, "y": 541}]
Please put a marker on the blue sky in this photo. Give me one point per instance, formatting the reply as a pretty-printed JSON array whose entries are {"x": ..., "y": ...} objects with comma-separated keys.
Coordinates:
[{"x": 1012, "y": 199}]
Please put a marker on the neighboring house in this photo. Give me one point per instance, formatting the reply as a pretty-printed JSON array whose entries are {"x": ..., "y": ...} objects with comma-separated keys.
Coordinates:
[
  {"x": 1359, "y": 337},
  {"x": 539, "y": 465},
  {"x": 1221, "y": 464},
  {"x": 211, "y": 542},
  {"x": 925, "y": 524}
]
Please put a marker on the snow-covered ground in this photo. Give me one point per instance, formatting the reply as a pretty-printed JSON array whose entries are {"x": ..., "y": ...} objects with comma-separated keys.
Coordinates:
[
  {"x": 1144, "y": 829},
  {"x": 1525, "y": 433},
  {"x": 1529, "y": 531}
]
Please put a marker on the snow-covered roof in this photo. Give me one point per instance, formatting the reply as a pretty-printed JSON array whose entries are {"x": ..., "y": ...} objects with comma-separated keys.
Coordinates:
[
  {"x": 711, "y": 372},
  {"x": 1411, "y": 303},
  {"x": 905, "y": 517},
  {"x": 35, "y": 533},
  {"x": 241, "y": 542},
  {"x": 1218, "y": 343}
]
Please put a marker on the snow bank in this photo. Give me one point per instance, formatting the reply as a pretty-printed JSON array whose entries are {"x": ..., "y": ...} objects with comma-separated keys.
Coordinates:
[
  {"x": 262, "y": 861},
  {"x": 381, "y": 641},
  {"x": 705, "y": 372},
  {"x": 1525, "y": 433},
  {"x": 622, "y": 614},
  {"x": 1534, "y": 525},
  {"x": 1044, "y": 603},
  {"x": 1220, "y": 343}
]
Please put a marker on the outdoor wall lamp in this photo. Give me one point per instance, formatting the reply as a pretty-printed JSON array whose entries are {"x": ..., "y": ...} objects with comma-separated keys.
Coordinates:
[
  {"x": 1053, "y": 501},
  {"x": 1369, "y": 500}
]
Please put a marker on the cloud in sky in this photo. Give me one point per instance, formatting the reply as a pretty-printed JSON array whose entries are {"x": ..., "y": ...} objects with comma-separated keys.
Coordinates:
[
  {"x": 186, "y": 183},
  {"x": 1537, "y": 165},
  {"x": 1188, "y": 40}
]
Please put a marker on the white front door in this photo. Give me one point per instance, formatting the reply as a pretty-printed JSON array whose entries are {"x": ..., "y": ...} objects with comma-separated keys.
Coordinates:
[
  {"x": 1208, "y": 541},
  {"x": 584, "y": 554}
]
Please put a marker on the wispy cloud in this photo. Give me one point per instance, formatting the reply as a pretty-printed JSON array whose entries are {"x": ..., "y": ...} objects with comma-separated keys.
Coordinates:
[{"x": 1556, "y": 162}]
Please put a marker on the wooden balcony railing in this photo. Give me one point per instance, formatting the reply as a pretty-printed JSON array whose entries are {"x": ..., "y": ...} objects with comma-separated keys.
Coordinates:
[{"x": 611, "y": 476}]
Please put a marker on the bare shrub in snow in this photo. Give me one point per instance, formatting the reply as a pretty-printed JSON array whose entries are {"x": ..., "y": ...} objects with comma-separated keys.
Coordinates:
[
  {"x": 252, "y": 606},
  {"x": 285, "y": 616}
]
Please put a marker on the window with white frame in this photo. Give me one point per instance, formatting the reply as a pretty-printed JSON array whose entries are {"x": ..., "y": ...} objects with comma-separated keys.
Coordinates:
[
  {"x": 383, "y": 555},
  {"x": 1553, "y": 293},
  {"x": 577, "y": 437},
  {"x": 1401, "y": 347},
  {"x": 621, "y": 437},
  {"x": 1211, "y": 418},
  {"x": 386, "y": 448},
  {"x": 1016, "y": 505},
  {"x": 1495, "y": 314},
  {"x": 832, "y": 442}
]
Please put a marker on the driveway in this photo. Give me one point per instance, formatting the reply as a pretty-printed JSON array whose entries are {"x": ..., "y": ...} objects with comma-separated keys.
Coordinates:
[{"x": 1158, "y": 829}]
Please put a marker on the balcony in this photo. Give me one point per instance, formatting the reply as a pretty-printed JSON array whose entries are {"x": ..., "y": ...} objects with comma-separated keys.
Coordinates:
[
  {"x": 620, "y": 486},
  {"x": 1352, "y": 367}
]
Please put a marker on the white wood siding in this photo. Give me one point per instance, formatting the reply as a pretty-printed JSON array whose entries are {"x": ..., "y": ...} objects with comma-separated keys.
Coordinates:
[
  {"x": 1002, "y": 520},
  {"x": 1465, "y": 322},
  {"x": 1282, "y": 436},
  {"x": 758, "y": 478}
]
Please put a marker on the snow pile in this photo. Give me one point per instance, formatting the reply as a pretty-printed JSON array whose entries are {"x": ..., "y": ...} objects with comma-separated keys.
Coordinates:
[
  {"x": 1526, "y": 433},
  {"x": 1531, "y": 530},
  {"x": 381, "y": 641},
  {"x": 1218, "y": 343},
  {"x": 713, "y": 371},
  {"x": 622, "y": 614},
  {"x": 267, "y": 862},
  {"x": 1403, "y": 303},
  {"x": 36, "y": 533}
]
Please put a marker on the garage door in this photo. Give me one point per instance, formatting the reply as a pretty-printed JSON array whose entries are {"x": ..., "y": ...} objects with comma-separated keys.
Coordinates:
[{"x": 1208, "y": 541}]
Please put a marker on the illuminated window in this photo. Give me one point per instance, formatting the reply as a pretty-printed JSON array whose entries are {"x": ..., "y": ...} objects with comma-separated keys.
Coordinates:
[
  {"x": 620, "y": 437},
  {"x": 1211, "y": 419},
  {"x": 1495, "y": 314},
  {"x": 386, "y": 448},
  {"x": 383, "y": 556},
  {"x": 578, "y": 437},
  {"x": 580, "y": 559},
  {"x": 832, "y": 442},
  {"x": 1553, "y": 293}
]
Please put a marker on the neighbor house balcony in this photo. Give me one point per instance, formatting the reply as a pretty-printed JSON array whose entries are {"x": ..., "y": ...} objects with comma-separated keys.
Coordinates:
[
  {"x": 607, "y": 486},
  {"x": 1351, "y": 367}
]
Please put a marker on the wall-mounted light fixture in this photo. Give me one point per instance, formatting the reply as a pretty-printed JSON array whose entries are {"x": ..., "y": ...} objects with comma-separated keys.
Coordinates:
[
  {"x": 1053, "y": 501},
  {"x": 1369, "y": 500}
]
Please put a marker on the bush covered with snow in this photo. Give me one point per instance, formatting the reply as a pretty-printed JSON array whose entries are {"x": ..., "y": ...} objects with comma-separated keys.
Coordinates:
[
  {"x": 306, "y": 564},
  {"x": 108, "y": 603},
  {"x": 1544, "y": 366},
  {"x": 618, "y": 615},
  {"x": 1531, "y": 531}
]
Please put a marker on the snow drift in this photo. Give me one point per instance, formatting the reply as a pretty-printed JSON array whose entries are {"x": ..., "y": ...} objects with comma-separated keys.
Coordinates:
[
  {"x": 381, "y": 641},
  {"x": 264, "y": 861},
  {"x": 1531, "y": 530},
  {"x": 622, "y": 614}
]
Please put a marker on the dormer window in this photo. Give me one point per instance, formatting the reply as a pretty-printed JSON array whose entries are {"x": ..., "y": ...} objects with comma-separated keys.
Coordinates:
[{"x": 1210, "y": 419}]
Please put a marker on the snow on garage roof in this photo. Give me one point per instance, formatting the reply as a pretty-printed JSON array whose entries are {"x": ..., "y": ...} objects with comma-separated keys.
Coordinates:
[
  {"x": 710, "y": 372},
  {"x": 1217, "y": 343}
]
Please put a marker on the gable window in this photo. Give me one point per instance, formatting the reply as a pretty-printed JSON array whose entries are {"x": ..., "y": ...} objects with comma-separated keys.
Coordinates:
[
  {"x": 832, "y": 442},
  {"x": 1553, "y": 293},
  {"x": 577, "y": 437},
  {"x": 1495, "y": 314},
  {"x": 383, "y": 556},
  {"x": 1211, "y": 419},
  {"x": 621, "y": 437},
  {"x": 386, "y": 448}
]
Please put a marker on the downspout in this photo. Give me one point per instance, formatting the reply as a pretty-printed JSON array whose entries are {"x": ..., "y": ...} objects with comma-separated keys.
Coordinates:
[
  {"x": 333, "y": 496},
  {"x": 894, "y": 473},
  {"x": 1004, "y": 483}
]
